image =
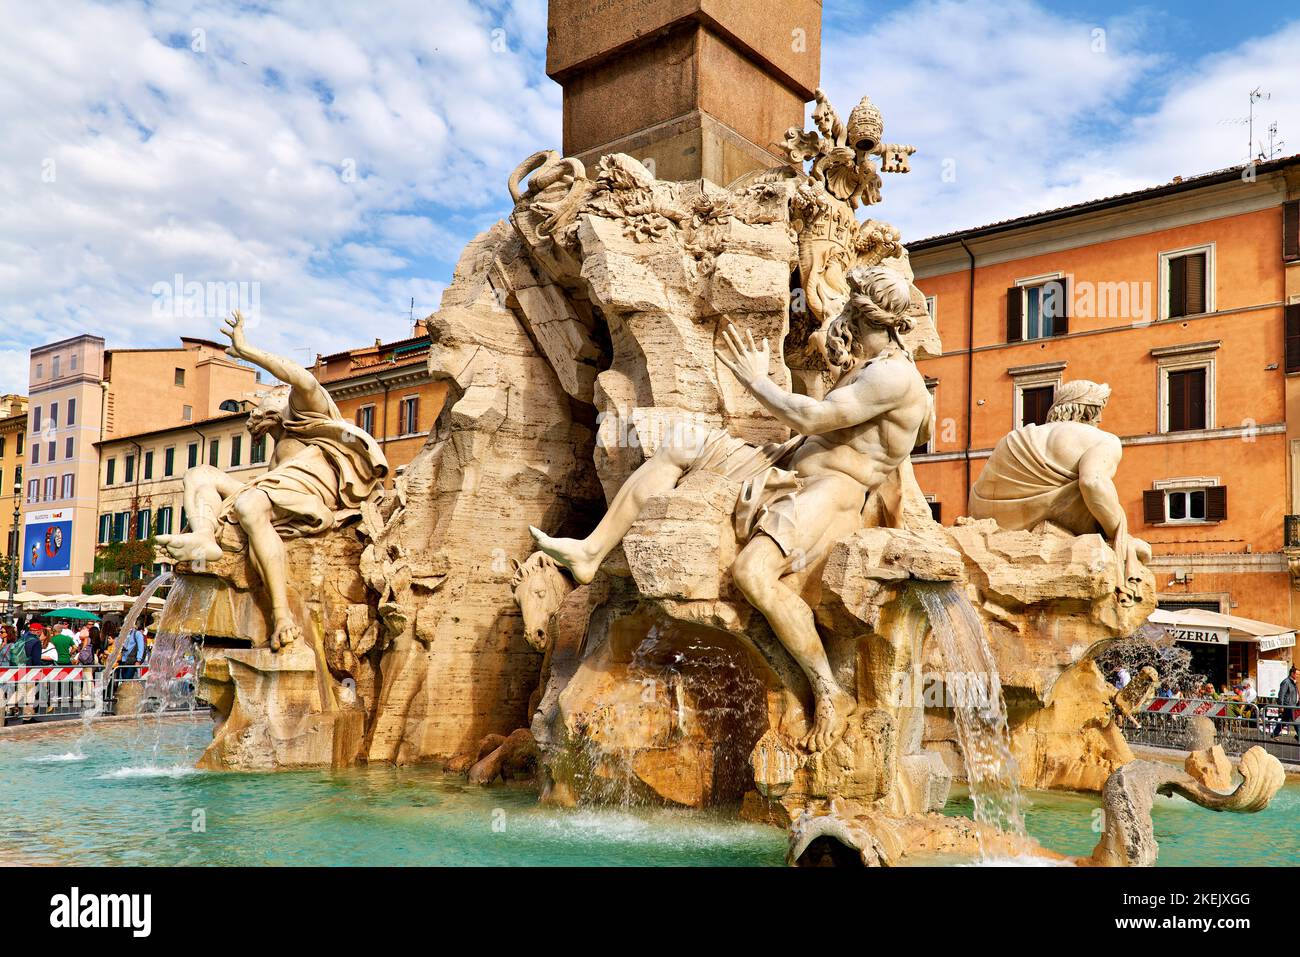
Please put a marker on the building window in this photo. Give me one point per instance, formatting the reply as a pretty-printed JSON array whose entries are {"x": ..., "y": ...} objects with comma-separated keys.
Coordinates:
[
  {"x": 54, "y": 367},
  {"x": 110, "y": 473},
  {"x": 1195, "y": 501},
  {"x": 1035, "y": 389},
  {"x": 931, "y": 305},
  {"x": 1185, "y": 399},
  {"x": 18, "y": 475},
  {"x": 2, "y": 446},
  {"x": 128, "y": 469},
  {"x": 72, "y": 362},
  {"x": 1035, "y": 402},
  {"x": 36, "y": 419},
  {"x": 408, "y": 415},
  {"x": 54, "y": 415},
  {"x": 257, "y": 452},
  {"x": 179, "y": 377},
  {"x": 366, "y": 418},
  {"x": 163, "y": 525},
  {"x": 143, "y": 525},
  {"x": 68, "y": 485},
  {"x": 1038, "y": 308},
  {"x": 34, "y": 490},
  {"x": 51, "y": 484},
  {"x": 105, "y": 528},
  {"x": 236, "y": 451},
  {"x": 67, "y": 447},
  {"x": 36, "y": 454},
  {"x": 72, "y": 412},
  {"x": 1187, "y": 281},
  {"x": 214, "y": 452},
  {"x": 1186, "y": 386},
  {"x": 187, "y": 413},
  {"x": 22, "y": 438},
  {"x": 40, "y": 370},
  {"x": 193, "y": 452},
  {"x": 169, "y": 461},
  {"x": 148, "y": 465},
  {"x": 51, "y": 448},
  {"x": 119, "y": 526}
]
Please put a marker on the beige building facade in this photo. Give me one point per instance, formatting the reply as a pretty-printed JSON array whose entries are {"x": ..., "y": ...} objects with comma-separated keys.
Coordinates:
[
  {"x": 81, "y": 393},
  {"x": 141, "y": 493}
]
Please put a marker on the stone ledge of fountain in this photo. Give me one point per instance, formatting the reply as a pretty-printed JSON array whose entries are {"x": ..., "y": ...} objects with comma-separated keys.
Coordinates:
[{"x": 849, "y": 833}]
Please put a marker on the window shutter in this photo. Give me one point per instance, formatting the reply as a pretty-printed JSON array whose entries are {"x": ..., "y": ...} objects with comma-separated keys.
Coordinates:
[
  {"x": 1177, "y": 399},
  {"x": 1153, "y": 506},
  {"x": 1291, "y": 230},
  {"x": 1195, "y": 283},
  {"x": 1216, "y": 503},
  {"x": 1061, "y": 324},
  {"x": 1292, "y": 343},
  {"x": 1177, "y": 287},
  {"x": 1015, "y": 315}
]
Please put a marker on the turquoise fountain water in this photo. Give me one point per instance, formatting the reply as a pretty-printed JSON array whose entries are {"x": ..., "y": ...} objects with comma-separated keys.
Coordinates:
[
  {"x": 120, "y": 808},
  {"x": 117, "y": 806}
]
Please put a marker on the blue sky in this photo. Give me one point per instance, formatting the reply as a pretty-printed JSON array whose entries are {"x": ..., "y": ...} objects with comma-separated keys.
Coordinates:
[{"x": 339, "y": 158}]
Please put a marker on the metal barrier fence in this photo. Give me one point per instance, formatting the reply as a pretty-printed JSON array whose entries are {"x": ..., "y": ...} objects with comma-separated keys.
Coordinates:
[
  {"x": 54, "y": 692},
  {"x": 1238, "y": 726}
]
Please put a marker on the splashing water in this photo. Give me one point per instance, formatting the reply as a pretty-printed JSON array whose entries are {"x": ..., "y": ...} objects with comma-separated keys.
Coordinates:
[
  {"x": 980, "y": 714},
  {"x": 171, "y": 684}
]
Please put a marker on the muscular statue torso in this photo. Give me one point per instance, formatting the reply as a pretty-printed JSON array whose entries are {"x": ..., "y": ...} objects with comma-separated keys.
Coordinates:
[{"x": 871, "y": 450}]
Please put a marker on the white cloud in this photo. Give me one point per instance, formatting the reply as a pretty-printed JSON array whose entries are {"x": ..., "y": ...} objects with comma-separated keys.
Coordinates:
[
  {"x": 997, "y": 98},
  {"x": 340, "y": 157},
  {"x": 312, "y": 148}
]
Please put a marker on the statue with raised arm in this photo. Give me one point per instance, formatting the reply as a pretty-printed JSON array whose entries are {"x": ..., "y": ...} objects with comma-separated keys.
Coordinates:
[
  {"x": 801, "y": 496},
  {"x": 1064, "y": 472},
  {"x": 321, "y": 469}
]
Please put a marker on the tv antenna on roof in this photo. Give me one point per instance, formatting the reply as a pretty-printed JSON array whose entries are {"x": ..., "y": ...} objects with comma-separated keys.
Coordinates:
[
  {"x": 1274, "y": 144},
  {"x": 1255, "y": 96}
]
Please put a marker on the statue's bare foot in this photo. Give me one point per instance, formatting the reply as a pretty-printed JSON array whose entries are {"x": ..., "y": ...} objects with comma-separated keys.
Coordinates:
[
  {"x": 190, "y": 547},
  {"x": 569, "y": 552},
  {"x": 829, "y": 722},
  {"x": 285, "y": 634}
]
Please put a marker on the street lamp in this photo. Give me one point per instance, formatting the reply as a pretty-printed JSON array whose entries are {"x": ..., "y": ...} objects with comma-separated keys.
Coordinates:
[{"x": 13, "y": 554}]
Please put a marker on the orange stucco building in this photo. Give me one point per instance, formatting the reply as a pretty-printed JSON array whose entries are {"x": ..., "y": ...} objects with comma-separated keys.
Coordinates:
[
  {"x": 1185, "y": 298},
  {"x": 386, "y": 389}
]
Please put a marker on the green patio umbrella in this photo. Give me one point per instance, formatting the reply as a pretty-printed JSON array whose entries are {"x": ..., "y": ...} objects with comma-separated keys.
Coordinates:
[{"x": 71, "y": 614}]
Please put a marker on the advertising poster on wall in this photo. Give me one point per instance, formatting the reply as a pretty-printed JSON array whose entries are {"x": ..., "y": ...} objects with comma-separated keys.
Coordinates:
[{"x": 47, "y": 543}]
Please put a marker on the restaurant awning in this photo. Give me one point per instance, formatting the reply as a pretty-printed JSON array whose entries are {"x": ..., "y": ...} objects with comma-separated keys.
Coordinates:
[{"x": 1198, "y": 626}]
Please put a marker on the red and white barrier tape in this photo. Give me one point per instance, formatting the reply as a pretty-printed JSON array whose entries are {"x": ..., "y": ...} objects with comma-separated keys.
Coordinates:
[
  {"x": 1189, "y": 708},
  {"x": 64, "y": 673}
]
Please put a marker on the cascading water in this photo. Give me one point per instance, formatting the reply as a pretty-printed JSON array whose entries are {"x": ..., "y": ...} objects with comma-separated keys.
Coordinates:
[
  {"x": 169, "y": 686},
  {"x": 974, "y": 688}
]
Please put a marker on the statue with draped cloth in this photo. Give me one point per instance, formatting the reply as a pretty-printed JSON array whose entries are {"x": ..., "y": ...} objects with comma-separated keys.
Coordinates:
[
  {"x": 322, "y": 469},
  {"x": 1063, "y": 472}
]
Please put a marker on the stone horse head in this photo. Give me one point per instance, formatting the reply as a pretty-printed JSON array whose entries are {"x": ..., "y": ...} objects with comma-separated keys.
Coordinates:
[{"x": 540, "y": 588}]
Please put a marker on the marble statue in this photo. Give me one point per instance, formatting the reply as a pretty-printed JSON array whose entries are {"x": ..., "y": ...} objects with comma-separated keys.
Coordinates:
[
  {"x": 1064, "y": 472},
  {"x": 800, "y": 496},
  {"x": 321, "y": 470}
]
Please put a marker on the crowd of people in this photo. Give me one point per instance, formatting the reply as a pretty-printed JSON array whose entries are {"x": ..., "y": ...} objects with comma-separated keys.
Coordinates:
[
  {"x": 36, "y": 643},
  {"x": 1243, "y": 700}
]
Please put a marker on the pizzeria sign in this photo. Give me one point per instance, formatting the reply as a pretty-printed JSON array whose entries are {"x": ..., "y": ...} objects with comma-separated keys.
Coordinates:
[{"x": 1198, "y": 636}]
